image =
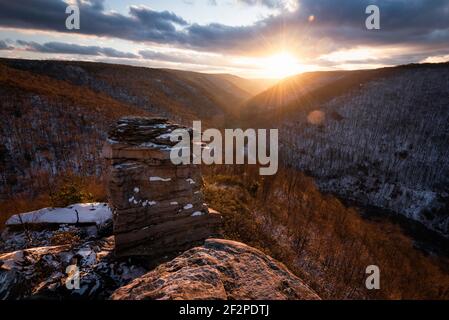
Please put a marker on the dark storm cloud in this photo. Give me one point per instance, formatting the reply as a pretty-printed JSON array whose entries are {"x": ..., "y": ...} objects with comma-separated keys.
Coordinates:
[
  {"x": 403, "y": 22},
  {"x": 68, "y": 48},
  {"x": 141, "y": 24}
]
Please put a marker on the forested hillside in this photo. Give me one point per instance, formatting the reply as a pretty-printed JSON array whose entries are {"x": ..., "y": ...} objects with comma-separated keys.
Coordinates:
[
  {"x": 183, "y": 96},
  {"x": 377, "y": 137},
  {"x": 323, "y": 241},
  {"x": 54, "y": 114}
]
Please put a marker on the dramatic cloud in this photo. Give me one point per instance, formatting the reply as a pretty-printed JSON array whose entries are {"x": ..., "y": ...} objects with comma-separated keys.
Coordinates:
[
  {"x": 340, "y": 22},
  {"x": 142, "y": 24},
  {"x": 417, "y": 26},
  {"x": 401, "y": 20},
  {"x": 75, "y": 49},
  {"x": 68, "y": 48}
]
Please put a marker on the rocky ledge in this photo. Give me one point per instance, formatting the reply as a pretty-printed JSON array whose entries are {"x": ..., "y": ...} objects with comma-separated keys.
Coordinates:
[
  {"x": 40, "y": 272},
  {"x": 219, "y": 269}
]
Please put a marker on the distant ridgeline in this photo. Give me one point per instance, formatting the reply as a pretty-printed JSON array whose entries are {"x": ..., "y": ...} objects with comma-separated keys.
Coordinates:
[{"x": 54, "y": 115}]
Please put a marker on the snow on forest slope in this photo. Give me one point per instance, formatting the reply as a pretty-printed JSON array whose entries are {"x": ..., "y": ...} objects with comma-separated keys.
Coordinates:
[{"x": 381, "y": 139}]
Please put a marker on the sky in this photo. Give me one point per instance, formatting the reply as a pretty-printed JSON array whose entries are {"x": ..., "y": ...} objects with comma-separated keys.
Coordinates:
[{"x": 248, "y": 38}]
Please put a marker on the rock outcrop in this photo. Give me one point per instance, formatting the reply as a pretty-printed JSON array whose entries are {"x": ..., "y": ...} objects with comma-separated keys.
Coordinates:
[
  {"x": 220, "y": 269},
  {"x": 40, "y": 272},
  {"x": 158, "y": 206}
]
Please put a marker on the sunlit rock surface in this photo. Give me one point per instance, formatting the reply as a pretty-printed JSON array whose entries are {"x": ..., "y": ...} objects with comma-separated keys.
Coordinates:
[{"x": 220, "y": 269}]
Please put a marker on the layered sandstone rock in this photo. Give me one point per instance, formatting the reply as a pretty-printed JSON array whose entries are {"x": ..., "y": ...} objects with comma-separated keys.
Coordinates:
[
  {"x": 220, "y": 269},
  {"x": 158, "y": 206}
]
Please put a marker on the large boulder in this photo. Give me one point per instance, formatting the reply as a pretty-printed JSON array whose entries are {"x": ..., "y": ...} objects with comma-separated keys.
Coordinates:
[{"x": 220, "y": 269}]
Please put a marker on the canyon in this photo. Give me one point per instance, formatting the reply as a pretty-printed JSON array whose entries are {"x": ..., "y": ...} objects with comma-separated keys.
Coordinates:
[
  {"x": 375, "y": 139},
  {"x": 146, "y": 233}
]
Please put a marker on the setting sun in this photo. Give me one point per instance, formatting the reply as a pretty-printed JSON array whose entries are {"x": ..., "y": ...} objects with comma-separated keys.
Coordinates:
[{"x": 282, "y": 65}]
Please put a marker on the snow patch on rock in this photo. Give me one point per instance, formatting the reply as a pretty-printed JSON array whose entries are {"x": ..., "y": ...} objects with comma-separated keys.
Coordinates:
[{"x": 97, "y": 213}]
